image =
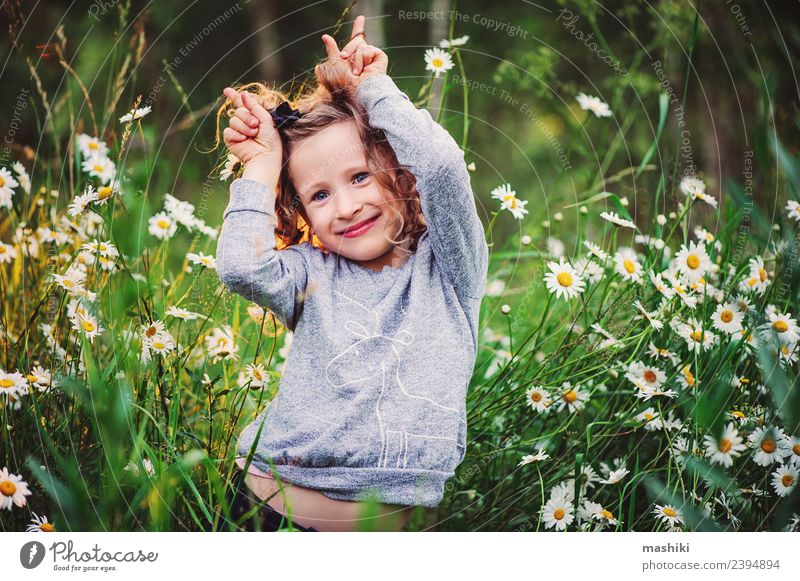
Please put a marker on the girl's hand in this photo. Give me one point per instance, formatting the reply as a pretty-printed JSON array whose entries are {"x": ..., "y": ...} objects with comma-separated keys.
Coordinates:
[
  {"x": 251, "y": 132},
  {"x": 365, "y": 60}
]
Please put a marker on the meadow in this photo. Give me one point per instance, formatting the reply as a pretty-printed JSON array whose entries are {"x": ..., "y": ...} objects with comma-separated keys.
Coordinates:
[{"x": 638, "y": 357}]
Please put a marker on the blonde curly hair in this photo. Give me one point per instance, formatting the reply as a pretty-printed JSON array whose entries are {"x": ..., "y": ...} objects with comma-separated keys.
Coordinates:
[{"x": 333, "y": 100}]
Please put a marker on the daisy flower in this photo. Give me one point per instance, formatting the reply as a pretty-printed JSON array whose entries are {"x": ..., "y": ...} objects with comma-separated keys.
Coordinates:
[
  {"x": 438, "y": 61},
  {"x": 461, "y": 41},
  {"x": 13, "y": 490},
  {"x": 181, "y": 211},
  {"x": 7, "y": 183},
  {"x": 723, "y": 450},
  {"x": 692, "y": 187},
  {"x": 39, "y": 524},
  {"x": 180, "y": 313},
  {"x": 105, "y": 249},
  {"x": 232, "y": 165},
  {"x": 596, "y": 251},
  {"x": 727, "y": 318},
  {"x": 220, "y": 345},
  {"x": 202, "y": 259},
  {"x": 615, "y": 218},
  {"x": 590, "y": 269},
  {"x": 41, "y": 378},
  {"x": 510, "y": 201},
  {"x": 12, "y": 384},
  {"x": 651, "y": 317},
  {"x": 161, "y": 343},
  {"x": 100, "y": 167},
  {"x": 82, "y": 201},
  {"x": 91, "y": 146},
  {"x": 784, "y": 480},
  {"x": 148, "y": 467},
  {"x": 668, "y": 514},
  {"x": 22, "y": 176},
  {"x": 645, "y": 376},
  {"x": 627, "y": 265},
  {"x": 537, "y": 398},
  {"x": 758, "y": 279},
  {"x": 608, "y": 339},
  {"x": 256, "y": 375},
  {"x": 595, "y": 511},
  {"x": 794, "y": 457},
  {"x": 105, "y": 193},
  {"x": 784, "y": 326},
  {"x": 693, "y": 262},
  {"x": 540, "y": 456},
  {"x": 769, "y": 444},
  {"x": 572, "y": 398},
  {"x": 88, "y": 325},
  {"x": 650, "y": 416},
  {"x": 661, "y": 286},
  {"x": 557, "y": 514},
  {"x": 562, "y": 280},
  {"x": 793, "y": 209},
  {"x": 136, "y": 113},
  {"x": 162, "y": 226},
  {"x": 616, "y": 476},
  {"x": 593, "y": 104},
  {"x": 7, "y": 253}
]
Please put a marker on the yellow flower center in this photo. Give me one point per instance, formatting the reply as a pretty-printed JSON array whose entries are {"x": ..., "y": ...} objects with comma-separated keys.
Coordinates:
[
  {"x": 2, "y": 182},
  {"x": 769, "y": 445},
  {"x": 98, "y": 168},
  {"x": 650, "y": 376},
  {"x": 564, "y": 279},
  {"x": 738, "y": 414},
  {"x": 87, "y": 326},
  {"x": 697, "y": 335},
  {"x": 104, "y": 192},
  {"x": 570, "y": 396},
  {"x": 93, "y": 145},
  {"x": 3, "y": 250},
  {"x": 688, "y": 376},
  {"x": 69, "y": 283},
  {"x": 725, "y": 446},
  {"x": 150, "y": 331},
  {"x": 5, "y": 382},
  {"x": 669, "y": 511},
  {"x": 648, "y": 416},
  {"x": 47, "y": 528},
  {"x": 780, "y": 326},
  {"x": 692, "y": 261},
  {"x": 158, "y": 345},
  {"x": 438, "y": 63},
  {"x": 629, "y": 266},
  {"x": 536, "y": 397},
  {"x": 558, "y": 513},
  {"x": 163, "y": 223},
  {"x": 726, "y": 316},
  {"x": 787, "y": 480},
  {"x": 7, "y": 488},
  {"x": 258, "y": 375},
  {"x": 31, "y": 378},
  {"x": 796, "y": 449},
  {"x": 607, "y": 514},
  {"x": 762, "y": 274}
]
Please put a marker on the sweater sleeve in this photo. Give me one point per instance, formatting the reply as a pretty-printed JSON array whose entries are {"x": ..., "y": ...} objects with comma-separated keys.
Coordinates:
[
  {"x": 247, "y": 260},
  {"x": 443, "y": 182}
]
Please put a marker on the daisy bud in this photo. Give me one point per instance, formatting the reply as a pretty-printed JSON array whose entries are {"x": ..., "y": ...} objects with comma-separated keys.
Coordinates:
[
  {"x": 661, "y": 219},
  {"x": 776, "y": 227},
  {"x": 613, "y": 373},
  {"x": 53, "y": 193},
  {"x": 672, "y": 215},
  {"x": 505, "y": 309},
  {"x": 526, "y": 240},
  {"x": 624, "y": 201},
  {"x": 659, "y": 244},
  {"x": 546, "y": 224},
  {"x": 539, "y": 356},
  {"x": 471, "y": 166},
  {"x": 584, "y": 210},
  {"x": 558, "y": 216}
]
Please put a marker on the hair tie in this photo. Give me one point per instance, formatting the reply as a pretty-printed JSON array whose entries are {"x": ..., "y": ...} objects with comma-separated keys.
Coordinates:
[{"x": 284, "y": 115}]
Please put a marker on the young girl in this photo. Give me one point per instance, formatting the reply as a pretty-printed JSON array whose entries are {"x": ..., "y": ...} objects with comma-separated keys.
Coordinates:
[{"x": 383, "y": 300}]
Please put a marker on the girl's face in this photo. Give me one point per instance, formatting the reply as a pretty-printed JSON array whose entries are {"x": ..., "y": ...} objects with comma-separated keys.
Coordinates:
[{"x": 330, "y": 174}]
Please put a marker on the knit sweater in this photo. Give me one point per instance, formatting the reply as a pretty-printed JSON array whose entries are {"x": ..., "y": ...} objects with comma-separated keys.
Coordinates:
[{"x": 372, "y": 399}]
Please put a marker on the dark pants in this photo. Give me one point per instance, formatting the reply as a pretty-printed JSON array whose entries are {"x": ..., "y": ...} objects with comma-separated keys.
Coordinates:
[{"x": 265, "y": 518}]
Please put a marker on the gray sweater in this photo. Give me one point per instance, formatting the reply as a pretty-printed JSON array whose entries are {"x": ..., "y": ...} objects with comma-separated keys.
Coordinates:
[{"x": 373, "y": 394}]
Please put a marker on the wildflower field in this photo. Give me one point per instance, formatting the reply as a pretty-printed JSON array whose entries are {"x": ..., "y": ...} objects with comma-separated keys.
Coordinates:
[{"x": 638, "y": 355}]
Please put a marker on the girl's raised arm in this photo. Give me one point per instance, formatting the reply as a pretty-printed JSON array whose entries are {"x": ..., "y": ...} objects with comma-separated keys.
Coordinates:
[
  {"x": 248, "y": 262},
  {"x": 432, "y": 155}
]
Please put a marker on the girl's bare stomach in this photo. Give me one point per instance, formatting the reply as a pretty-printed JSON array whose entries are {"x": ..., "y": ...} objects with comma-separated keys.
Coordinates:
[{"x": 310, "y": 508}]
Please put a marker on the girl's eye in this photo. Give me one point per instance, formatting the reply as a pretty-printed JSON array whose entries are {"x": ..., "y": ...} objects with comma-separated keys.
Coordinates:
[
  {"x": 314, "y": 197},
  {"x": 363, "y": 173}
]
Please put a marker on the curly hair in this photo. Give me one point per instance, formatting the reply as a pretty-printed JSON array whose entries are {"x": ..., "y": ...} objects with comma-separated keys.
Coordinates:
[{"x": 333, "y": 100}]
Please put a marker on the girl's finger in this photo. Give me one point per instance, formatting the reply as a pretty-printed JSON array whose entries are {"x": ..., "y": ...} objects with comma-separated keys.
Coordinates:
[
  {"x": 257, "y": 109},
  {"x": 356, "y": 37},
  {"x": 232, "y": 136},
  {"x": 242, "y": 127},
  {"x": 358, "y": 60},
  {"x": 330, "y": 46},
  {"x": 233, "y": 96},
  {"x": 244, "y": 114}
]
